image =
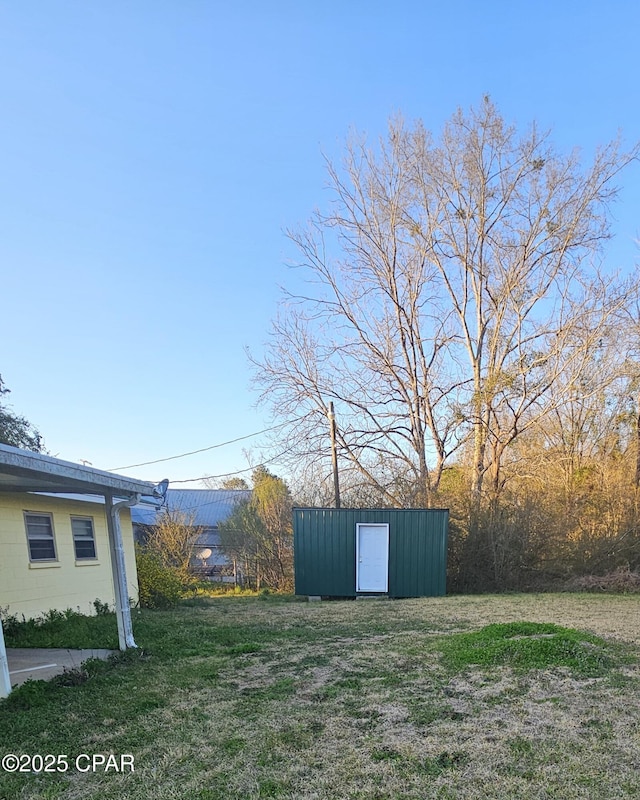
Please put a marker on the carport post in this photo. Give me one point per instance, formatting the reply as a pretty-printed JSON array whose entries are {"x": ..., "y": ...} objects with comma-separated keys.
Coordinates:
[
  {"x": 123, "y": 611},
  {"x": 5, "y": 679}
]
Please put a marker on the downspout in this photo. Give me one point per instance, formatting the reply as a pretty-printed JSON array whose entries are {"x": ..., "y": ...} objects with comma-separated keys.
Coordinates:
[
  {"x": 5, "y": 678},
  {"x": 118, "y": 568}
]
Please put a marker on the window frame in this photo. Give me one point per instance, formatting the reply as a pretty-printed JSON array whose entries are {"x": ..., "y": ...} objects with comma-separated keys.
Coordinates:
[
  {"x": 84, "y": 518},
  {"x": 48, "y": 515}
]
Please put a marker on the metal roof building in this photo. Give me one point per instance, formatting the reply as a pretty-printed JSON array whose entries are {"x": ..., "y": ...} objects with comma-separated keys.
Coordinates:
[
  {"x": 348, "y": 552},
  {"x": 204, "y": 509}
]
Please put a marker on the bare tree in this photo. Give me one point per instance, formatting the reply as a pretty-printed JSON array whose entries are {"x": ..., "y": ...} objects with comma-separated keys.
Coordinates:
[
  {"x": 372, "y": 339},
  {"x": 452, "y": 286},
  {"x": 513, "y": 228}
]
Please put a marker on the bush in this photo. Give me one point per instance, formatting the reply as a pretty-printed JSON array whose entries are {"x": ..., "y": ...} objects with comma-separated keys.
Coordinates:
[
  {"x": 10, "y": 622},
  {"x": 158, "y": 586},
  {"x": 621, "y": 581},
  {"x": 101, "y": 608}
]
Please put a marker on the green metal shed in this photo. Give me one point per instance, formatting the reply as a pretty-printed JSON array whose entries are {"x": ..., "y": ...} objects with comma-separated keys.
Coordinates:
[{"x": 346, "y": 552}]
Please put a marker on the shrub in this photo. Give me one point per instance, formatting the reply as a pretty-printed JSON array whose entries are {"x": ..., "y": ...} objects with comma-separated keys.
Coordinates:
[
  {"x": 55, "y": 628},
  {"x": 159, "y": 586},
  {"x": 101, "y": 608},
  {"x": 621, "y": 581},
  {"x": 10, "y": 622}
]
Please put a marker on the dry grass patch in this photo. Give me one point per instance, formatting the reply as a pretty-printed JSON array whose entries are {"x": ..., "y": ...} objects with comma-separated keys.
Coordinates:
[{"x": 351, "y": 700}]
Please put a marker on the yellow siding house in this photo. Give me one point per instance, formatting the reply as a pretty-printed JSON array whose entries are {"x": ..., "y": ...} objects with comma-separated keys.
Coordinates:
[
  {"x": 66, "y": 540},
  {"x": 55, "y": 554}
]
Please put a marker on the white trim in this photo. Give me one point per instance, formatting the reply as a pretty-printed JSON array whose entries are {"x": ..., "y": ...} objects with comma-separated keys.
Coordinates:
[{"x": 385, "y": 526}]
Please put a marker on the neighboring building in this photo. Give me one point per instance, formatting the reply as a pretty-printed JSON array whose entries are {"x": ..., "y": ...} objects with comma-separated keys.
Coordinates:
[{"x": 204, "y": 509}]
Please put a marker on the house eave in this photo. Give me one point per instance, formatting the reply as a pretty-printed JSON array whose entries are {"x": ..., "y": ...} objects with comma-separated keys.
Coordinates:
[{"x": 26, "y": 471}]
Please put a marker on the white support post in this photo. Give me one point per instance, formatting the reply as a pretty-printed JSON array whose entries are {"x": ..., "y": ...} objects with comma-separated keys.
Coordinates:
[
  {"x": 118, "y": 568},
  {"x": 5, "y": 678}
]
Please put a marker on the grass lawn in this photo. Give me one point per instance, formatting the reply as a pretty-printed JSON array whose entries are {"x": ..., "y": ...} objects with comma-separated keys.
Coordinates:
[{"x": 261, "y": 698}]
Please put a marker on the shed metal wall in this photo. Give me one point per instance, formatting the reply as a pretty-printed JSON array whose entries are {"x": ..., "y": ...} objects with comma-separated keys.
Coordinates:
[{"x": 325, "y": 550}]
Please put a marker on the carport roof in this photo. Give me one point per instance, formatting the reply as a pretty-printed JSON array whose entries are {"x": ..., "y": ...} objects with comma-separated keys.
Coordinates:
[{"x": 26, "y": 471}]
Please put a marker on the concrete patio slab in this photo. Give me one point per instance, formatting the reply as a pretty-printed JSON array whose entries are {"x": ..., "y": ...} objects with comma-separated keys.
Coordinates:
[{"x": 41, "y": 664}]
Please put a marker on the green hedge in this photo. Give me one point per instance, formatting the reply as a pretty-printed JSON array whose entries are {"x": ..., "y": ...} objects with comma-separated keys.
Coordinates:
[{"x": 158, "y": 586}]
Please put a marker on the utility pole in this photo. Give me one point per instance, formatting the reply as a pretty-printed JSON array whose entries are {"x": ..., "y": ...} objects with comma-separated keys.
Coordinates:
[{"x": 334, "y": 455}]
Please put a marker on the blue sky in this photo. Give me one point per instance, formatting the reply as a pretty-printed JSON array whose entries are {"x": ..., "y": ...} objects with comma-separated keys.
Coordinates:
[{"x": 152, "y": 154}]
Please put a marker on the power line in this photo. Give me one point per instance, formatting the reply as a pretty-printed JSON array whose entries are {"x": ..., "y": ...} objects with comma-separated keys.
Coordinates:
[
  {"x": 203, "y": 450},
  {"x": 238, "y": 472}
]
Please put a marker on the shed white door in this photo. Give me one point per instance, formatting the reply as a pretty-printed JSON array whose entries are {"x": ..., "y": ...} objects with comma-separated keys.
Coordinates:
[{"x": 372, "y": 558}]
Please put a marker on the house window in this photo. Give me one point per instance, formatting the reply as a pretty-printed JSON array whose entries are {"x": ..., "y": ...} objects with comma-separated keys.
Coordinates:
[
  {"x": 42, "y": 545},
  {"x": 84, "y": 540}
]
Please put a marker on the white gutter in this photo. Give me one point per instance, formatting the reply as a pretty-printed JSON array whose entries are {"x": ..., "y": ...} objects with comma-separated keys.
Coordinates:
[{"x": 118, "y": 568}]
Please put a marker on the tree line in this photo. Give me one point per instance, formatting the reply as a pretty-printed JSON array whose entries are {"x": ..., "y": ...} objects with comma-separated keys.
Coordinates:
[{"x": 480, "y": 353}]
